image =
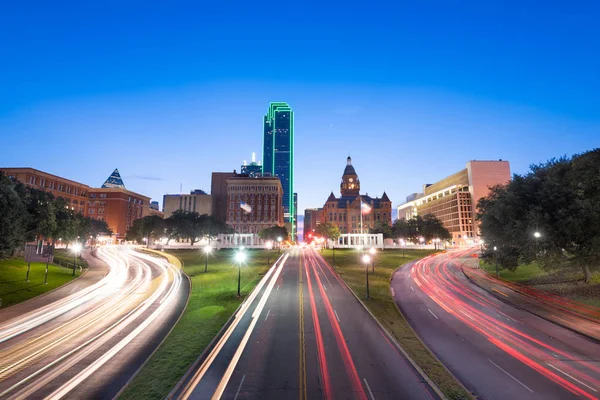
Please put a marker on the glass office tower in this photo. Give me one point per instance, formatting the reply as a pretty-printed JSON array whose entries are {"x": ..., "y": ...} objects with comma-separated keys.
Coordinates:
[{"x": 278, "y": 154}]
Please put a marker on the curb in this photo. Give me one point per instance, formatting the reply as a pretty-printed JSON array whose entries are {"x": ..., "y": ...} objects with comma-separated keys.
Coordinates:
[
  {"x": 135, "y": 374},
  {"x": 211, "y": 345},
  {"x": 504, "y": 300},
  {"x": 425, "y": 377}
]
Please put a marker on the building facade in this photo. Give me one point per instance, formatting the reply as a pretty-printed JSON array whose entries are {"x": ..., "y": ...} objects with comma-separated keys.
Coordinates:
[
  {"x": 218, "y": 193},
  {"x": 345, "y": 211},
  {"x": 117, "y": 206},
  {"x": 112, "y": 202},
  {"x": 454, "y": 199},
  {"x": 254, "y": 204},
  {"x": 75, "y": 193},
  {"x": 278, "y": 154},
  {"x": 311, "y": 220},
  {"x": 197, "y": 201}
]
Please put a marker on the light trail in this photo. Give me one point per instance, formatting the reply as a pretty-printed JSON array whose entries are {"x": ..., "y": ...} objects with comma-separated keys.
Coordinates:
[
  {"x": 434, "y": 276},
  {"x": 42, "y": 346}
]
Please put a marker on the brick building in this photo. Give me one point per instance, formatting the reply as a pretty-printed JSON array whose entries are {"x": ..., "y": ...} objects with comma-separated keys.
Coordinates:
[
  {"x": 454, "y": 199},
  {"x": 253, "y": 203},
  {"x": 112, "y": 202},
  {"x": 345, "y": 211},
  {"x": 74, "y": 192}
]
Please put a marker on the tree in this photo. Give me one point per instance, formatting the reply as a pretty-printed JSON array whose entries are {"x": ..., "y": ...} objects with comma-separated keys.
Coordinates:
[
  {"x": 12, "y": 217},
  {"x": 404, "y": 229},
  {"x": 382, "y": 227},
  {"x": 432, "y": 228},
  {"x": 149, "y": 227},
  {"x": 273, "y": 233},
  {"x": 559, "y": 199},
  {"x": 328, "y": 231}
]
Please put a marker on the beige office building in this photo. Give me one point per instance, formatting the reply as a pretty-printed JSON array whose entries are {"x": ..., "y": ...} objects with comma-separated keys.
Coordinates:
[
  {"x": 197, "y": 201},
  {"x": 454, "y": 199}
]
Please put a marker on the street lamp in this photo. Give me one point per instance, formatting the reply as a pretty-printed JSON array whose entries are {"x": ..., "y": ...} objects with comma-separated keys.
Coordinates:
[
  {"x": 279, "y": 239},
  {"x": 240, "y": 257},
  {"x": 269, "y": 246},
  {"x": 537, "y": 235},
  {"x": 373, "y": 251},
  {"x": 436, "y": 242},
  {"x": 421, "y": 240},
  {"x": 481, "y": 245},
  {"x": 402, "y": 244},
  {"x": 366, "y": 259},
  {"x": 496, "y": 262},
  {"x": 76, "y": 251},
  {"x": 207, "y": 251}
]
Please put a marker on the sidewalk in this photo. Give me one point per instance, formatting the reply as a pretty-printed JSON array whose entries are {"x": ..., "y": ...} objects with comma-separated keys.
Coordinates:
[
  {"x": 96, "y": 271},
  {"x": 575, "y": 316}
]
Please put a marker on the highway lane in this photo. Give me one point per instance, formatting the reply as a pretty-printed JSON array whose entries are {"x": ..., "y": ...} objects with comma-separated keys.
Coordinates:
[
  {"x": 304, "y": 335},
  {"x": 496, "y": 350},
  {"x": 89, "y": 343}
]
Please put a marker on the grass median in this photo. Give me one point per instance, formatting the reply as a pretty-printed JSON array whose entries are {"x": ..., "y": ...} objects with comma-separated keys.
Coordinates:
[
  {"x": 15, "y": 289},
  {"x": 212, "y": 302},
  {"x": 66, "y": 257},
  {"x": 347, "y": 264}
]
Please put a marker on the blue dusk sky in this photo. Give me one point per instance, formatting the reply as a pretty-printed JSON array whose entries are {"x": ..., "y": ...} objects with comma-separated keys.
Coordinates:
[{"x": 170, "y": 91}]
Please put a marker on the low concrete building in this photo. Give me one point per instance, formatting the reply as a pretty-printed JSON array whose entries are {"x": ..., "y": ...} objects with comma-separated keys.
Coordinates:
[{"x": 197, "y": 201}]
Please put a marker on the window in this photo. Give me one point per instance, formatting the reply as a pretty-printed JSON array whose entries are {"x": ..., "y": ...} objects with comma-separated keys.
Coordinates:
[
  {"x": 101, "y": 211},
  {"x": 231, "y": 205},
  {"x": 102, "y": 203},
  {"x": 91, "y": 211},
  {"x": 60, "y": 187},
  {"x": 93, "y": 196},
  {"x": 102, "y": 195}
]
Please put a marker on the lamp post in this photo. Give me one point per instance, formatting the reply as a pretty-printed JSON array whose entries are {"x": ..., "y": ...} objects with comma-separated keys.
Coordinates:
[
  {"x": 269, "y": 246},
  {"x": 421, "y": 240},
  {"x": 373, "y": 251},
  {"x": 240, "y": 257},
  {"x": 537, "y": 235},
  {"x": 366, "y": 259},
  {"x": 76, "y": 251},
  {"x": 279, "y": 239},
  {"x": 496, "y": 262},
  {"x": 207, "y": 251},
  {"x": 481, "y": 245},
  {"x": 402, "y": 243}
]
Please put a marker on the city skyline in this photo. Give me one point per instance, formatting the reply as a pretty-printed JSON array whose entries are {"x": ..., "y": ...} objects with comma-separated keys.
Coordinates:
[{"x": 165, "y": 117}]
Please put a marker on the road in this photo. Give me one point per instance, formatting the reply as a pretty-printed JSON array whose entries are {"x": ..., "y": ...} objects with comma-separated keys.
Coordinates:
[
  {"x": 89, "y": 342},
  {"x": 303, "y": 335},
  {"x": 497, "y": 350}
]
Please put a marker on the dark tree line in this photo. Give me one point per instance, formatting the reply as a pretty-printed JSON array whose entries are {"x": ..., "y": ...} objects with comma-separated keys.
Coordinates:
[
  {"x": 428, "y": 227},
  {"x": 28, "y": 214},
  {"x": 560, "y": 200},
  {"x": 274, "y": 233},
  {"x": 182, "y": 225}
]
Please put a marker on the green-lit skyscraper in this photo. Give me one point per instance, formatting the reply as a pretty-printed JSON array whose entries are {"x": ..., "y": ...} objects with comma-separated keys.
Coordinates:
[{"x": 278, "y": 154}]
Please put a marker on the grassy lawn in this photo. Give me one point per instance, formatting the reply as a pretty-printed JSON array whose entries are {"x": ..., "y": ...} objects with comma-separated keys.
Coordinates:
[
  {"x": 383, "y": 307},
  {"x": 13, "y": 287},
  {"x": 66, "y": 256},
  {"x": 212, "y": 301},
  {"x": 567, "y": 283},
  {"x": 522, "y": 274}
]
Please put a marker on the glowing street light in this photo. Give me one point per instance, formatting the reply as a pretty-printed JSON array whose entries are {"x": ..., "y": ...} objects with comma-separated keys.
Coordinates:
[
  {"x": 240, "y": 257},
  {"x": 279, "y": 239},
  {"x": 373, "y": 251},
  {"x": 402, "y": 244},
  {"x": 537, "y": 235},
  {"x": 421, "y": 239},
  {"x": 496, "y": 262},
  {"x": 367, "y": 259},
  {"x": 76, "y": 250},
  {"x": 207, "y": 251},
  {"x": 269, "y": 246}
]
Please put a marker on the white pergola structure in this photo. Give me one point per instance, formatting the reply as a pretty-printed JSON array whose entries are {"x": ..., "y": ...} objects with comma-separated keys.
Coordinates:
[{"x": 358, "y": 240}]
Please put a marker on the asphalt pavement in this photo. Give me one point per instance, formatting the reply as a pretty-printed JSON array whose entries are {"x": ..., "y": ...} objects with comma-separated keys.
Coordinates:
[
  {"x": 89, "y": 343},
  {"x": 496, "y": 350},
  {"x": 303, "y": 335}
]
